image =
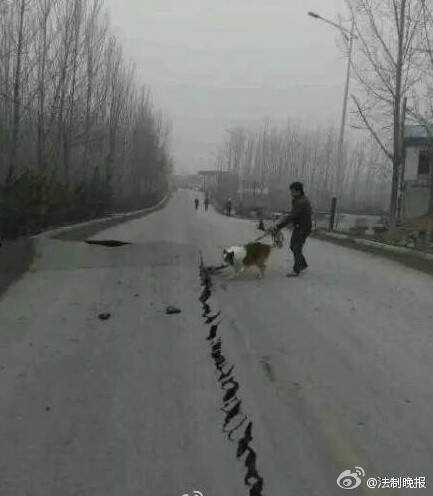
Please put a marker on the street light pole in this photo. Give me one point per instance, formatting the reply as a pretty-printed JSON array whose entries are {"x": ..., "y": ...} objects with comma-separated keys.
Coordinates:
[
  {"x": 338, "y": 182},
  {"x": 338, "y": 172}
]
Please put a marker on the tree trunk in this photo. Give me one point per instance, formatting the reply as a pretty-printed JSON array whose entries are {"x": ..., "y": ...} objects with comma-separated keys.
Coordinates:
[
  {"x": 397, "y": 154},
  {"x": 41, "y": 89},
  {"x": 17, "y": 95}
]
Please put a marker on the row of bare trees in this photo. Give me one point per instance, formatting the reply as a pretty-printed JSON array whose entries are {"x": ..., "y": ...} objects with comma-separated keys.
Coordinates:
[
  {"x": 393, "y": 85},
  {"x": 394, "y": 69},
  {"x": 267, "y": 159},
  {"x": 71, "y": 111}
]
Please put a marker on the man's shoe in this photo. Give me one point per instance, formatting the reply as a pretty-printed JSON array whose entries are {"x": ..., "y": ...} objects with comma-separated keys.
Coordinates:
[{"x": 292, "y": 274}]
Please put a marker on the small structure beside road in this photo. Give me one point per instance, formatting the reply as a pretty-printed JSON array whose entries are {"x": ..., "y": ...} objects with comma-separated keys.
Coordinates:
[
  {"x": 417, "y": 180},
  {"x": 417, "y": 172}
]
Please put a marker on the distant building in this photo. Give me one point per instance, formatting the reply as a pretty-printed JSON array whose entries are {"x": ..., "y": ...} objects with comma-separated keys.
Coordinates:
[
  {"x": 209, "y": 180},
  {"x": 418, "y": 170},
  {"x": 186, "y": 180}
]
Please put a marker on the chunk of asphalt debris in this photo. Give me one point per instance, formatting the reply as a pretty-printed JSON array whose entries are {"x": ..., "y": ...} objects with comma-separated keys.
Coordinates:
[
  {"x": 171, "y": 310},
  {"x": 104, "y": 316}
]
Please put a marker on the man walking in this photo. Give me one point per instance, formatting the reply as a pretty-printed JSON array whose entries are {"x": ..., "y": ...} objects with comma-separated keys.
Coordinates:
[{"x": 300, "y": 218}]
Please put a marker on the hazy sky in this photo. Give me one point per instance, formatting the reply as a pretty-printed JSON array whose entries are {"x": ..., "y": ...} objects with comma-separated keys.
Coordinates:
[{"x": 212, "y": 64}]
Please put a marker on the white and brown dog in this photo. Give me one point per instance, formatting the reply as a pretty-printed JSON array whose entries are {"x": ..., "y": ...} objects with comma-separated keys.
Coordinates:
[{"x": 249, "y": 255}]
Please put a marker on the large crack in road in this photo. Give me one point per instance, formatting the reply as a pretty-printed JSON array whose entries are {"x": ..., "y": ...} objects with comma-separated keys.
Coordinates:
[{"x": 236, "y": 425}]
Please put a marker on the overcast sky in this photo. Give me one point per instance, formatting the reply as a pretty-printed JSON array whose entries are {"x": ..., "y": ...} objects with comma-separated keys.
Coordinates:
[{"x": 212, "y": 64}]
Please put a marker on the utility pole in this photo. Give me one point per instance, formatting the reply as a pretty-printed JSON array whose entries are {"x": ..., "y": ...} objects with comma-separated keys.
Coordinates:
[
  {"x": 350, "y": 36},
  {"x": 339, "y": 178}
]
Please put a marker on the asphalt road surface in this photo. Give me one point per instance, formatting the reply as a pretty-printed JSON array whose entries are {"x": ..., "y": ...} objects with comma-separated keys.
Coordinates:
[{"x": 258, "y": 387}]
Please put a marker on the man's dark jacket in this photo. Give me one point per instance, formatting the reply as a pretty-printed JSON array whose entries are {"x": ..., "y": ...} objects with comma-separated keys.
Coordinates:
[{"x": 300, "y": 215}]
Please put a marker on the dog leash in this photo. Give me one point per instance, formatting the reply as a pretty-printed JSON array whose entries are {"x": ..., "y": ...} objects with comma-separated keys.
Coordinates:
[
  {"x": 261, "y": 237},
  {"x": 277, "y": 238}
]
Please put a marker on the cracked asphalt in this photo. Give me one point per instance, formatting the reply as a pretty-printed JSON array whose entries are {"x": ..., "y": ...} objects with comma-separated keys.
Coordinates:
[{"x": 330, "y": 371}]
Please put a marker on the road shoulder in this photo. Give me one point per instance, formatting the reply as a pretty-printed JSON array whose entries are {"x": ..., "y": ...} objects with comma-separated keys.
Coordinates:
[{"x": 406, "y": 257}]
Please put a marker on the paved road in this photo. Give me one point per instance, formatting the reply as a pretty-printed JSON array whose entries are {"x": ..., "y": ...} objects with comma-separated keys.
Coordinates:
[{"x": 268, "y": 387}]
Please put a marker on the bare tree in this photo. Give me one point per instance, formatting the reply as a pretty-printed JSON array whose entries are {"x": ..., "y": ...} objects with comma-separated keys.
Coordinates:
[
  {"x": 424, "y": 105},
  {"x": 423, "y": 98},
  {"x": 72, "y": 113},
  {"x": 271, "y": 157},
  {"x": 95, "y": 39},
  {"x": 387, "y": 72},
  {"x": 16, "y": 95}
]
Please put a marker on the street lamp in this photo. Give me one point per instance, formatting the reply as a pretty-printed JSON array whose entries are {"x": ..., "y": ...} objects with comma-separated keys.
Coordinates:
[{"x": 350, "y": 36}]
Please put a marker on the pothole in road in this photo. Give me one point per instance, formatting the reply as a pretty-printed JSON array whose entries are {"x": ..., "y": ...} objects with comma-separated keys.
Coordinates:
[
  {"x": 111, "y": 243},
  {"x": 235, "y": 418}
]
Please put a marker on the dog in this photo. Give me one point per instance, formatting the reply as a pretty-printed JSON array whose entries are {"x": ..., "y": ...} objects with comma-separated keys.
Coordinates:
[{"x": 252, "y": 254}]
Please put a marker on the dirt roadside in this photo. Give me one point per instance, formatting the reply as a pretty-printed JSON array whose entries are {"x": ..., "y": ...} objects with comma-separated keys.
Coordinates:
[{"x": 15, "y": 259}]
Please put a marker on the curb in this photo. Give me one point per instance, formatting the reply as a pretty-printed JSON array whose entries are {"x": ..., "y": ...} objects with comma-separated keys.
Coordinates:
[{"x": 95, "y": 222}]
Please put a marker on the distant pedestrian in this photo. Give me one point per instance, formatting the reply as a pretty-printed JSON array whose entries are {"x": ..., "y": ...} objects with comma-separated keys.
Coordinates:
[
  {"x": 206, "y": 204},
  {"x": 229, "y": 207},
  {"x": 300, "y": 218},
  {"x": 196, "y": 203},
  {"x": 261, "y": 225}
]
